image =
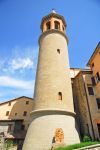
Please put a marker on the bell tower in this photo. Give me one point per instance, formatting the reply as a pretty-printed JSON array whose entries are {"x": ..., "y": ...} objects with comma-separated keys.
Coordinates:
[{"x": 53, "y": 102}]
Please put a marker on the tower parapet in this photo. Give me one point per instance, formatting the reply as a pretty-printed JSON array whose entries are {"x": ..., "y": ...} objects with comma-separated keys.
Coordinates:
[{"x": 53, "y": 21}]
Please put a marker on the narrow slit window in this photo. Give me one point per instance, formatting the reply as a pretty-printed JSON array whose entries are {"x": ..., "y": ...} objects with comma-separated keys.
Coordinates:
[
  {"x": 7, "y": 113},
  {"x": 15, "y": 114},
  {"x": 58, "y": 50},
  {"x": 59, "y": 96}
]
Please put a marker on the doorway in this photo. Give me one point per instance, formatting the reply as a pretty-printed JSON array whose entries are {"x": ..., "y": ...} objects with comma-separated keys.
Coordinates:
[{"x": 98, "y": 125}]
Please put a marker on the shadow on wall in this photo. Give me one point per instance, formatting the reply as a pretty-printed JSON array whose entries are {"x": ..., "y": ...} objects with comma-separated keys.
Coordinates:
[
  {"x": 19, "y": 120},
  {"x": 22, "y": 105},
  {"x": 78, "y": 128}
]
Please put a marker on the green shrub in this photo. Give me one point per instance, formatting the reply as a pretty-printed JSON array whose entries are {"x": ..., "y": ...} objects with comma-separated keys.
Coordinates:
[
  {"x": 86, "y": 138},
  {"x": 9, "y": 143}
]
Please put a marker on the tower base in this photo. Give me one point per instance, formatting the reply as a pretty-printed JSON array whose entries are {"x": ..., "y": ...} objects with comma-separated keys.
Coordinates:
[{"x": 42, "y": 129}]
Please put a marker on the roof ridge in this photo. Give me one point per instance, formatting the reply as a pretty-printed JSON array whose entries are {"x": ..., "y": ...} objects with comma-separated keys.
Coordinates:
[{"x": 15, "y": 99}]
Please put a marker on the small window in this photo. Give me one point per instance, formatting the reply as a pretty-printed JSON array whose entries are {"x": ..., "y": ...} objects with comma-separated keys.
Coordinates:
[
  {"x": 48, "y": 25},
  {"x": 27, "y": 102},
  {"x": 57, "y": 25},
  {"x": 92, "y": 65},
  {"x": 7, "y": 113},
  {"x": 59, "y": 96},
  {"x": 90, "y": 90},
  {"x": 15, "y": 114},
  {"x": 22, "y": 127},
  {"x": 58, "y": 50},
  {"x": 98, "y": 102},
  {"x": 25, "y": 113},
  {"x": 9, "y": 104},
  {"x": 93, "y": 81},
  {"x": 97, "y": 77}
]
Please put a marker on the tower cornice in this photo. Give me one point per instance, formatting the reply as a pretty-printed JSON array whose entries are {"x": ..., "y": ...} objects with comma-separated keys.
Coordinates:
[
  {"x": 41, "y": 112},
  {"x": 52, "y": 31}
]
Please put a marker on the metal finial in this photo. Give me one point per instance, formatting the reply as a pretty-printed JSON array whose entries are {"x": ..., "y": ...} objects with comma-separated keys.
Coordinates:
[{"x": 53, "y": 11}]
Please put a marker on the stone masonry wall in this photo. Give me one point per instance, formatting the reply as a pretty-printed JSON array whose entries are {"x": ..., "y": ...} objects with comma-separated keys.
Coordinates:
[{"x": 81, "y": 108}]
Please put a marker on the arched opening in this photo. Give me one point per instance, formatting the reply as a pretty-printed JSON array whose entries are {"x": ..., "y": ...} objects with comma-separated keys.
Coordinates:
[
  {"x": 59, "y": 96},
  {"x": 57, "y": 25},
  {"x": 63, "y": 28},
  {"x": 48, "y": 25}
]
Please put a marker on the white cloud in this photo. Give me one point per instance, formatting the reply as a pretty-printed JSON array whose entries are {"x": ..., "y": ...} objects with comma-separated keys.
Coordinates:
[
  {"x": 17, "y": 70},
  {"x": 21, "y": 63},
  {"x": 15, "y": 83},
  {"x": 19, "y": 60}
]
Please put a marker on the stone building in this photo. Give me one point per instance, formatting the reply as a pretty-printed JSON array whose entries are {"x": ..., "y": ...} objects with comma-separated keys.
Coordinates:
[
  {"x": 94, "y": 63},
  {"x": 15, "y": 118},
  {"x": 53, "y": 110},
  {"x": 85, "y": 102}
]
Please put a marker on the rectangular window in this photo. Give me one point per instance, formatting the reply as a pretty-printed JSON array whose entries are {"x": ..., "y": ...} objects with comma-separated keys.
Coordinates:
[
  {"x": 98, "y": 102},
  {"x": 9, "y": 104},
  {"x": 93, "y": 81},
  {"x": 59, "y": 96},
  {"x": 25, "y": 113},
  {"x": 97, "y": 77},
  {"x": 7, "y": 113},
  {"x": 27, "y": 102},
  {"x": 90, "y": 90}
]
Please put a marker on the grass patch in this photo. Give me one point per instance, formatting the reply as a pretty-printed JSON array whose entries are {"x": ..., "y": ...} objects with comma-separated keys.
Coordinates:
[{"x": 80, "y": 145}]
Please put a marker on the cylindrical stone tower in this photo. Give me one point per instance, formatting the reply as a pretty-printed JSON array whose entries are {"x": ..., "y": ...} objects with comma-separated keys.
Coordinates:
[{"x": 53, "y": 108}]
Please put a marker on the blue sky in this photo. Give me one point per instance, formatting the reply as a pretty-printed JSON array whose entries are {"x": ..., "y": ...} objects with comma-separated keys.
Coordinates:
[{"x": 19, "y": 32}]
